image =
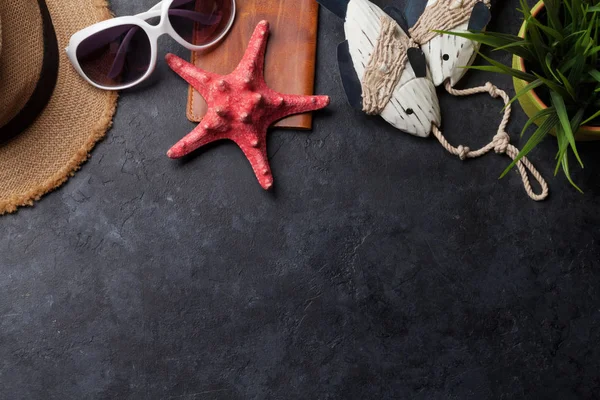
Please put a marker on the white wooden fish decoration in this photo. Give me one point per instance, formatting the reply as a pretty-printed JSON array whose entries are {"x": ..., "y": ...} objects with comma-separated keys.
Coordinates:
[
  {"x": 413, "y": 104},
  {"x": 377, "y": 43},
  {"x": 447, "y": 55}
]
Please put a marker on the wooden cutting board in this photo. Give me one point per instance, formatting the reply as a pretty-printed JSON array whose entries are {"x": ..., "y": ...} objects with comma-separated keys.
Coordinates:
[{"x": 291, "y": 51}]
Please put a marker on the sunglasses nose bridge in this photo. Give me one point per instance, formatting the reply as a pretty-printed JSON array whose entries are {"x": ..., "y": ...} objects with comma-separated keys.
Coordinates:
[{"x": 158, "y": 30}]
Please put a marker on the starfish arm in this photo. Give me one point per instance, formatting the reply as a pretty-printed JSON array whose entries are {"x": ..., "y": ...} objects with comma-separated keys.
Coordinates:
[
  {"x": 257, "y": 156},
  {"x": 196, "y": 77},
  {"x": 202, "y": 135},
  {"x": 296, "y": 104},
  {"x": 253, "y": 62}
]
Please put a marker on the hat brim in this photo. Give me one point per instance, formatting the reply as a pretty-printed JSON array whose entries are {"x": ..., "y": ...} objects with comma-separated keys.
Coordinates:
[{"x": 77, "y": 116}]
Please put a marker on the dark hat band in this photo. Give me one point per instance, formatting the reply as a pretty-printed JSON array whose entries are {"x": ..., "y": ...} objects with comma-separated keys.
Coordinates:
[{"x": 45, "y": 85}]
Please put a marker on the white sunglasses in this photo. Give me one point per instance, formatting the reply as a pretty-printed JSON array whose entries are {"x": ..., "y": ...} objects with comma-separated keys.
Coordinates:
[{"x": 121, "y": 52}]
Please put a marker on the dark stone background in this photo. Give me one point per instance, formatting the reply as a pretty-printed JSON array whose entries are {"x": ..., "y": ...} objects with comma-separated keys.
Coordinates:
[{"x": 379, "y": 267}]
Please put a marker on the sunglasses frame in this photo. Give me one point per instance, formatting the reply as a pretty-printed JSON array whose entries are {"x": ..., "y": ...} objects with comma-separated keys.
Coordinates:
[{"x": 153, "y": 32}]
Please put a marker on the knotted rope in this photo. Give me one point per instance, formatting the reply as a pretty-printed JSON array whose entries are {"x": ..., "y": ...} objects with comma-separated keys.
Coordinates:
[
  {"x": 388, "y": 61},
  {"x": 443, "y": 14},
  {"x": 385, "y": 67},
  {"x": 500, "y": 143},
  {"x": 448, "y": 14}
]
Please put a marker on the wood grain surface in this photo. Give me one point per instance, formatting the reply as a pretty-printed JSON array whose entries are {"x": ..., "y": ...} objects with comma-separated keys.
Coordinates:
[{"x": 290, "y": 59}]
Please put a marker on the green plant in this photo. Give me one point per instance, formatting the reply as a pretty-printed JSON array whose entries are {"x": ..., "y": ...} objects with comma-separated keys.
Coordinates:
[{"x": 560, "y": 51}]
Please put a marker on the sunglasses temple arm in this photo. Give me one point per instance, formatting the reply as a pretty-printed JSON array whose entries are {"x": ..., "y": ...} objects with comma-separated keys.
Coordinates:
[
  {"x": 195, "y": 16},
  {"x": 119, "y": 62},
  {"x": 175, "y": 3}
]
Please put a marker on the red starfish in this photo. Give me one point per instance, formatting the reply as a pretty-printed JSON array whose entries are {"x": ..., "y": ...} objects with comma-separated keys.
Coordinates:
[{"x": 241, "y": 106}]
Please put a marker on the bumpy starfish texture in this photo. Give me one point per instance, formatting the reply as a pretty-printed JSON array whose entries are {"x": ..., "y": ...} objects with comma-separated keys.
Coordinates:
[{"x": 241, "y": 106}]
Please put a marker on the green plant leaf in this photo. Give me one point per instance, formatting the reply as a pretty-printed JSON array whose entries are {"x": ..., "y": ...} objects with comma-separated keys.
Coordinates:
[
  {"x": 563, "y": 141},
  {"x": 592, "y": 51},
  {"x": 563, "y": 146},
  {"x": 548, "y": 62},
  {"x": 574, "y": 35},
  {"x": 518, "y": 46},
  {"x": 569, "y": 9},
  {"x": 523, "y": 44},
  {"x": 561, "y": 111},
  {"x": 577, "y": 70},
  {"x": 565, "y": 164},
  {"x": 499, "y": 70},
  {"x": 552, "y": 11},
  {"x": 488, "y": 68},
  {"x": 506, "y": 36},
  {"x": 553, "y": 86},
  {"x": 534, "y": 35},
  {"x": 576, "y": 10},
  {"x": 576, "y": 120},
  {"x": 494, "y": 39},
  {"x": 593, "y": 117},
  {"x": 546, "y": 29},
  {"x": 508, "y": 70},
  {"x": 525, "y": 9},
  {"x": 540, "y": 133},
  {"x": 595, "y": 74},
  {"x": 530, "y": 86},
  {"x": 569, "y": 63},
  {"x": 539, "y": 115},
  {"x": 568, "y": 85},
  {"x": 575, "y": 125},
  {"x": 594, "y": 54},
  {"x": 563, "y": 161}
]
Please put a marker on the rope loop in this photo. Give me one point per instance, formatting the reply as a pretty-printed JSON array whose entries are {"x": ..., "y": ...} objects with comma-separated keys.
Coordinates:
[
  {"x": 500, "y": 143},
  {"x": 447, "y": 14}
]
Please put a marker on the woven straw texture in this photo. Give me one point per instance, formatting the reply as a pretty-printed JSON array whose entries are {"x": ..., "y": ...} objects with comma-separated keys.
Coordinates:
[{"x": 78, "y": 115}]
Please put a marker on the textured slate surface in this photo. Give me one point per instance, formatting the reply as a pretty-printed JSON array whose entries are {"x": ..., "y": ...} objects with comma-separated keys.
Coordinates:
[{"x": 380, "y": 267}]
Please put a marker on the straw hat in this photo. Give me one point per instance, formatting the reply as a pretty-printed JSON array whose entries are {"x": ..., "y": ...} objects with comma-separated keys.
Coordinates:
[{"x": 50, "y": 118}]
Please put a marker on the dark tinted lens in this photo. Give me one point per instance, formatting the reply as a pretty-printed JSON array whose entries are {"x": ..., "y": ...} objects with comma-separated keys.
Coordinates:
[
  {"x": 209, "y": 19},
  {"x": 115, "y": 56}
]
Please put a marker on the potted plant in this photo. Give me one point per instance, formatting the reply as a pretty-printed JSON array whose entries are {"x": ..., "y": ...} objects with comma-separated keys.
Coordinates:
[{"x": 555, "y": 72}]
